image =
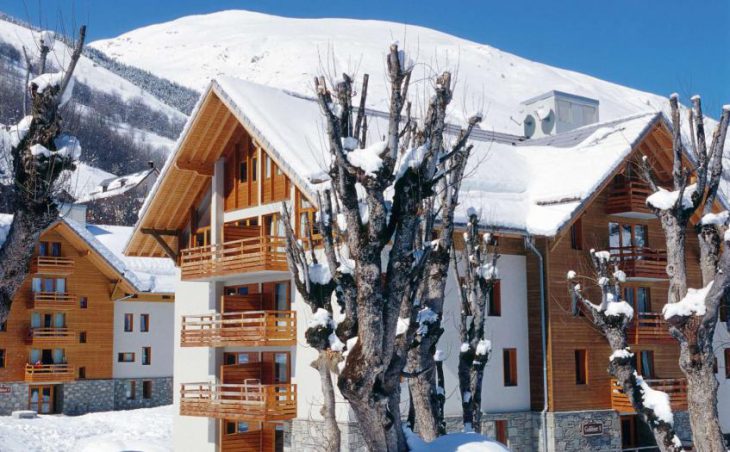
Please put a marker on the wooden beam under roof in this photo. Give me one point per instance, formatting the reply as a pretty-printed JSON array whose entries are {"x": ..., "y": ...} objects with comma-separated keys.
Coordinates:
[
  {"x": 157, "y": 235},
  {"x": 200, "y": 168}
]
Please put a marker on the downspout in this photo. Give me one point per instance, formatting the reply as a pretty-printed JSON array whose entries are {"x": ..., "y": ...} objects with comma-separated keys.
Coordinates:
[{"x": 529, "y": 244}]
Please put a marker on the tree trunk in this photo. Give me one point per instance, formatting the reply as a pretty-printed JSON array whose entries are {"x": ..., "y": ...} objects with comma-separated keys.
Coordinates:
[
  {"x": 331, "y": 429},
  {"x": 702, "y": 404}
]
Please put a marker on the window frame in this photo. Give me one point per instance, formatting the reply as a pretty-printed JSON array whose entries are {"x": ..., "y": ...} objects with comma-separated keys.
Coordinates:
[
  {"x": 576, "y": 234},
  {"x": 494, "y": 307},
  {"x": 128, "y": 322},
  {"x": 581, "y": 366},
  {"x": 509, "y": 367},
  {"x": 83, "y": 302},
  {"x": 144, "y": 323},
  {"x": 82, "y": 337},
  {"x": 147, "y": 389},
  {"x": 132, "y": 386},
  {"x": 122, "y": 355},
  {"x": 3, "y": 358},
  {"x": 146, "y": 356}
]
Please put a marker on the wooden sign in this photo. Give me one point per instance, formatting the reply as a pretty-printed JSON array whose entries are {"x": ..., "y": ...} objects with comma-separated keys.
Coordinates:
[
  {"x": 592, "y": 428},
  {"x": 4, "y": 389}
]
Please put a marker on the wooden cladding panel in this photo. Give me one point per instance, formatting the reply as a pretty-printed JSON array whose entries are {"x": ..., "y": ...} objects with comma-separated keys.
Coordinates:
[
  {"x": 568, "y": 333},
  {"x": 97, "y": 320}
]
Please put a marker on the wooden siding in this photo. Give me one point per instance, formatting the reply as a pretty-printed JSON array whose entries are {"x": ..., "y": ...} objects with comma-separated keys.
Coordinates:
[
  {"x": 568, "y": 333},
  {"x": 97, "y": 320}
]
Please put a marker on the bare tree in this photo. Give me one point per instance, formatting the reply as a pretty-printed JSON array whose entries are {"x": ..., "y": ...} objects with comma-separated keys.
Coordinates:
[
  {"x": 612, "y": 318},
  {"x": 39, "y": 153},
  {"x": 380, "y": 192},
  {"x": 693, "y": 314},
  {"x": 476, "y": 289}
]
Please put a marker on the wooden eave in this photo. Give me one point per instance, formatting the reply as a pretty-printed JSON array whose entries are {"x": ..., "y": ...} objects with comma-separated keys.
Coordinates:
[{"x": 212, "y": 125}]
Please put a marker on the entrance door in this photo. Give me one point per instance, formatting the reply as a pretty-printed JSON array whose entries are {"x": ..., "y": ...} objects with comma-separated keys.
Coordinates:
[{"x": 40, "y": 399}]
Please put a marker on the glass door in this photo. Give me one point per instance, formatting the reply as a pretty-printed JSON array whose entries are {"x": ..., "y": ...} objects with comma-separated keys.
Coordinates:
[{"x": 40, "y": 399}]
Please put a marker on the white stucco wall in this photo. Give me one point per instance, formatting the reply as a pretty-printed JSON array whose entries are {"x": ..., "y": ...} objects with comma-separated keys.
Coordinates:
[
  {"x": 722, "y": 341},
  {"x": 159, "y": 337},
  {"x": 507, "y": 331},
  {"x": 192, "y": 364}
]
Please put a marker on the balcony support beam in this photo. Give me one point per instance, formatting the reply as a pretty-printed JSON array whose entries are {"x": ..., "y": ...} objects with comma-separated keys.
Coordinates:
[{"x": 157, "y": 235}]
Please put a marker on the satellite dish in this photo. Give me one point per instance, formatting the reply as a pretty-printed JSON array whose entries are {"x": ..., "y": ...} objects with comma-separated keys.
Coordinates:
[
  {"x": 529, "y": 124},
  {"x": 548, "y": 123}
]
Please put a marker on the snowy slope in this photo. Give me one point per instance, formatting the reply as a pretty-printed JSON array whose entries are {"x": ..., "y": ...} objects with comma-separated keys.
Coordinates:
[
  {"x": 144, "y": 430},
  {"x": 287, "y": 53},
  {"x": 86, "y": 71}
]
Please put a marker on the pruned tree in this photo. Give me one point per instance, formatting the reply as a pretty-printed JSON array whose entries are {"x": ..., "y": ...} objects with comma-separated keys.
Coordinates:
[
  {"x": 479, "y": 257},
  {"x": 39, "y": 153},
  {"x": 378, "y": 195},
  {"x": 612, "y": 318},
  {"x": 693, "y": 313}
]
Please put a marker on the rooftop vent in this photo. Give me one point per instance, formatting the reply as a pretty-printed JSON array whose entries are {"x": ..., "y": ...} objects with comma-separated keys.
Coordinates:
[{"x": 557, "y": 112}]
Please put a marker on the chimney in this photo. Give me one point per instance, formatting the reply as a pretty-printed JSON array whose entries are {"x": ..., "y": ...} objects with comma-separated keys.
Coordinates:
[
  {"x": 556, "y": 112},
  {"x": 75, "y": 212}
]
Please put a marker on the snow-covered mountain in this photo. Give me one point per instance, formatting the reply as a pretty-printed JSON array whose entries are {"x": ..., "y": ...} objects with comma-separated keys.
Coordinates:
[
  {"x": 287, "y": 53},
  {"x": 120, "y": 125}
]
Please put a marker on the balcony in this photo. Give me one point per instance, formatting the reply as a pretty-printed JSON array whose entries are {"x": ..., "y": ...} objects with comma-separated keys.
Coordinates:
[
  {"x": 244, "y": 328},
  {"x": 46, "y": 373},
  {"x": 52, "y": 265},
  {"x": 628, "y": 198},
  {"x": 648, "y": 328},
  {"x": 53, "y": 300},
  {"x": 254, "y": 254},
  {"x": 675, "y": 388},
  {"x": 240, "y": 402},
  {"x": 640, "y": 262},
  {"x": 51, "y": 336}
]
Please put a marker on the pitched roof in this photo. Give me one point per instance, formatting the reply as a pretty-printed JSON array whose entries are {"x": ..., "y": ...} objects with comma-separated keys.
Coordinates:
[
  {"x": 143, "y": 274},
  {"x": 529, "y": 186},
  {"x": 114, "y": 186}
]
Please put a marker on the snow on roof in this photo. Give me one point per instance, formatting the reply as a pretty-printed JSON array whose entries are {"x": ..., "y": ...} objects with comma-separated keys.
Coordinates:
[
  {"x": 145, "y": 274},
  {"x": 81, "y": 182},
  {"x": 114, "y": 186},
  {"x": 514, "y": 185},
  {"x": 156, "y": 274}
]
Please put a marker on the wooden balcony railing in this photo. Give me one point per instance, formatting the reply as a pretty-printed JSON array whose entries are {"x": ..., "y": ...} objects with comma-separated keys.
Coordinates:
[
  {"x": 51, "y": 336},
  {"x": 648, "y": 328},
  {"x": 242, "y": 402},
  {"x": 53, "y": 300},
  {"x": 675, "y": 388},
  {"x": 641, "y": 262},
  {"x": 52, "y": 265},
  {"x": 247, "y": 328},
  {"x": 628, "y": 196},
  {"x": 42, "y": 373},
  {"x": 240, "y": 256}
]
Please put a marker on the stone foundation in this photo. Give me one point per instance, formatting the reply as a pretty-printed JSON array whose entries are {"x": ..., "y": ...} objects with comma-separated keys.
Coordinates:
[
  {"x": 598, "y": 431},
  {"x": 161, "y": 393},
  {"x": 86, "y": 396}
]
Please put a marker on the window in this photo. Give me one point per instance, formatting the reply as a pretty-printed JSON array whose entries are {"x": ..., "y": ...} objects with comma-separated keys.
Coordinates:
[
  {"x": 267, "y": 164},
  {"x": 55, "y": 249},
  {"x": 509, "y": 363},
  {"x": 144, "y": 323},
  {"x": 243, "y": 172},
  {"x": 130, "y": 390},
  {"x": 639, "y": 298},
  {"x": 3, "y": 326},
  {"x": 495, "y": 299},
  {"x": 82, "y": 373},
  {"x": 2, "y": 358},
  {"x": 645, "y": 366},
  {"x": 253, "y": 169},
  {"x": 82, "y": 337},
  {"x": 126, "y": 357},
  {"x": 43, "y": 249},
  {"x": 576, "y": 235},
  {"x": 500, "y": 431},
  {"x": 236, "y": 427},
  {"x": 623, "y": 236},
  {"x": 581, "y": 367},
  {"x": 49, "y": 249},
  {"x": 727, "y": 363},
  {"x": 83, "y": 302},
  {"x": 146, "y": 356},
  {"x": 146, "y": 389},
  {"x": 239, "y": 357},
  {"x": 128, "y": 323}
]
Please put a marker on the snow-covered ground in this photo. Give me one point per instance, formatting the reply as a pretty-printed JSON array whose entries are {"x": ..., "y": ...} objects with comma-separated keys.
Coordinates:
[{"x": 143, "y": 430}]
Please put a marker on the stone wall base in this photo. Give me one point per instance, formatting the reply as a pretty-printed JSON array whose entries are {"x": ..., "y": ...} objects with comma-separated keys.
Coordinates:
[
  {"x": 568, "y": 431},
  {"x": 87, "y": 396}
]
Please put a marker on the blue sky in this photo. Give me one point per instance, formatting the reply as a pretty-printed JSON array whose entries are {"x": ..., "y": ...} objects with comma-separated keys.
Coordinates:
[{"x": 662, "y": 46}]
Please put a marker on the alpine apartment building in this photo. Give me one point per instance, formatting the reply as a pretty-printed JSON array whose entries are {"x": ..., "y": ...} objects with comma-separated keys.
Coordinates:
[
  {"x": 89, "y": 330},
  {"x": 243, "y": 380}
]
